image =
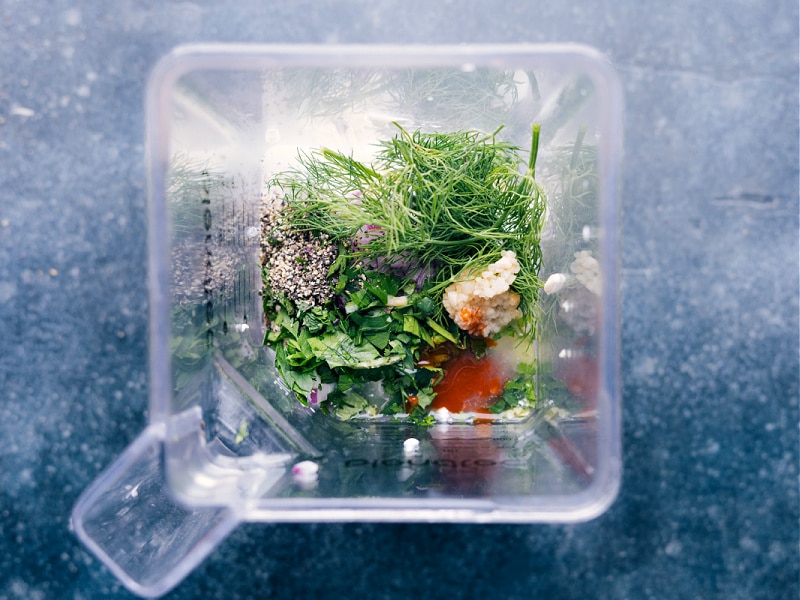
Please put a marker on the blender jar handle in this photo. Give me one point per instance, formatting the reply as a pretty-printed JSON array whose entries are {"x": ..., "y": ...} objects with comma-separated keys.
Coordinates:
[{"x": 129, "y": 519}]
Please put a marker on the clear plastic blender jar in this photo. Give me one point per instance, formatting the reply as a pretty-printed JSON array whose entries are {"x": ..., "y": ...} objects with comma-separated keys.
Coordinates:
[{"x": 227, "y": 442}]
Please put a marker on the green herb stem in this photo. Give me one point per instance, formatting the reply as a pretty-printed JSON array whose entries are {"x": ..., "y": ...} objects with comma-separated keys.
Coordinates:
[{"x": 534, "y": 149}]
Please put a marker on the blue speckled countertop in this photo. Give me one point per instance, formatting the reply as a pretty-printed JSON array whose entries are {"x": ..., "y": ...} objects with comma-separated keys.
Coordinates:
[{"x": 709, "y": 501}]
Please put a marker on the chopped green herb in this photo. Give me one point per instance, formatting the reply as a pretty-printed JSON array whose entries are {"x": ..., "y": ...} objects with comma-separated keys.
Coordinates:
[{"x": 242, "y": 434}]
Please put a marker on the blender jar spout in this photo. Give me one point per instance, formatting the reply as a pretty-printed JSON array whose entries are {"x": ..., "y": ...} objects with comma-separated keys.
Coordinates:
[{"x": 129, "y": 519}]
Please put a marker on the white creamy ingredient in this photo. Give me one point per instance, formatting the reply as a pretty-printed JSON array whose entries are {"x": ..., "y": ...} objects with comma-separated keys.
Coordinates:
[
  {"x": 306, "y": 469},
  {"x": 411, "y": 446},
  {"x": 554, "y": 283}
]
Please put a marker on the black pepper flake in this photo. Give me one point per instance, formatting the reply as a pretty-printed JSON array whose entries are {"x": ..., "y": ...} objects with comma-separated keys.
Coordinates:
[{"x": 296, "y": 262}]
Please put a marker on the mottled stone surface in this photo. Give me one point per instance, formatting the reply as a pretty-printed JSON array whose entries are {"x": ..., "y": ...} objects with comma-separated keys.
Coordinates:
[{"x": 709, "y": 502}]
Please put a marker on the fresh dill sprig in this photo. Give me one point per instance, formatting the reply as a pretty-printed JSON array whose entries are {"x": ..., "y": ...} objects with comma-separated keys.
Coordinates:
[
  {"x": 573, "y": 198},
  {"x": 454, "y": 94},
  {"x": 329, "y": 92},
  {"x": 572, "y": 207},
  {"x": 447, "y": 204}
]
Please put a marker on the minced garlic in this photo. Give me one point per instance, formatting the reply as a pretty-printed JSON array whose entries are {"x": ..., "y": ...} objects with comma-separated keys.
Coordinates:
[
  {"x": 587, "y": 271},
  {"x": 485, "y": 304}
]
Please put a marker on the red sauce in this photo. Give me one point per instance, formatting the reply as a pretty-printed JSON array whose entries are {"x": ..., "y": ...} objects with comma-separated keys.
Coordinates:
[
  {"x": 582, "y": 375},
  {"x": 411, "y": 403},
  {"x": 470, "y": 384}
]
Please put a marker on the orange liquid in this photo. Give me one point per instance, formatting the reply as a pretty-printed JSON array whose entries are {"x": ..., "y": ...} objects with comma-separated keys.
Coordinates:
[{"x": 470, "y": 384}]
